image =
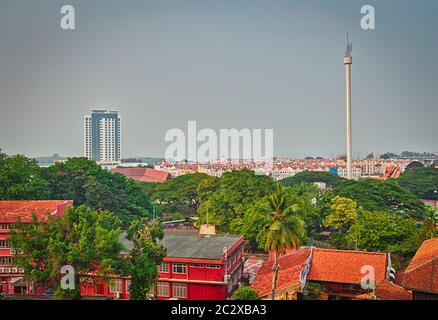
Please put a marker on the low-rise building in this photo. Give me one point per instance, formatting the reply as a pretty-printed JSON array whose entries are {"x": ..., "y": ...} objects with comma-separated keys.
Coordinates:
[
  {"x": 196, "y": 267},
  {"x": 11, "y": 276}
]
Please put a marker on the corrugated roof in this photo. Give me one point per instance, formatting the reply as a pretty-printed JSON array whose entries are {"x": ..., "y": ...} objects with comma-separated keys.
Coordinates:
[{"x": 193, "y": 246}]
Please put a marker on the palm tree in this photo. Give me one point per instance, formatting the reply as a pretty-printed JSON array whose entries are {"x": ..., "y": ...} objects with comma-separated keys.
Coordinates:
[
  {"x": 431, "y": 220},
  {"x": 283, "y": 228}
]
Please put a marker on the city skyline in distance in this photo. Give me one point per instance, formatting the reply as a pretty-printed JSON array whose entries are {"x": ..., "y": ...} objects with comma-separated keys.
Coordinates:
[{"x": 161, "y": 66}]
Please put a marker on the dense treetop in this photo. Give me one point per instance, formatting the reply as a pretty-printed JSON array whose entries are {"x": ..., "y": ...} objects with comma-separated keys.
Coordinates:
[
  {"x": 329, "y": 178},
  {"x": 422, "y": 182}
]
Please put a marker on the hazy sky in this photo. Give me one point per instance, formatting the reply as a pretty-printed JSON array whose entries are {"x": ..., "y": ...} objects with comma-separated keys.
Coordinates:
[{"x": 226, "y": 64}]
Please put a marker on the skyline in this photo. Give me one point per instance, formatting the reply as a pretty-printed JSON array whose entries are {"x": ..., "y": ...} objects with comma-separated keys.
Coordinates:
[{"x": 226, "y": 65}]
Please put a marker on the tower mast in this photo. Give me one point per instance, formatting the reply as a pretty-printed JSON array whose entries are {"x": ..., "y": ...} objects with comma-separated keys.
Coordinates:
[{"x": 348, "y": 61}]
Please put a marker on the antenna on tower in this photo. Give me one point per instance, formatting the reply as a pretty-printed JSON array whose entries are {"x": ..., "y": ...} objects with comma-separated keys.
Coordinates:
[{"x": 349, "y": 47}]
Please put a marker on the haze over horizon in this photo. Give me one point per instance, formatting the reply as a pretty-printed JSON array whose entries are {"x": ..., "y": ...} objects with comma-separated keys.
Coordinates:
[{"x": 226, "y": 64}]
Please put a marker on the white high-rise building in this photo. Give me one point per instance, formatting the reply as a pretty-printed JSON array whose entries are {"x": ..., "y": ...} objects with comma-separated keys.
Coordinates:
[{"x": 102, "y": 136}]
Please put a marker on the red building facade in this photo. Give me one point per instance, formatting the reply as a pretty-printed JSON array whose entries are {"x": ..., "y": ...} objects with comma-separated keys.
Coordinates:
[
  {"x": 10, "y": 211},
  {"x": 196, "y": 267}
]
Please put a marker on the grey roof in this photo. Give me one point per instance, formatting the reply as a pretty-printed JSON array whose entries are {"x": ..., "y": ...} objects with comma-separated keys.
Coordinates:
[{"x": 192, "y": 245}]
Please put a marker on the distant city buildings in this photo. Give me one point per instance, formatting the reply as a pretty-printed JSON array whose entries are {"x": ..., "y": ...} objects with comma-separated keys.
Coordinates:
[
  {"x": 102, "y": 136},
  {"x": 284, "y": 168}
]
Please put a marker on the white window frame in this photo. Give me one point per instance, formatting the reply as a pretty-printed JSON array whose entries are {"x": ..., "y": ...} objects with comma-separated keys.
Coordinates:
[
  {"x": 179, "y": 290},
  {"x": 163, "y": 267},
  {"x": 176, "y": 265},
  {"x": 116, "y": 286},
  {"x": 160, "y": 286}
]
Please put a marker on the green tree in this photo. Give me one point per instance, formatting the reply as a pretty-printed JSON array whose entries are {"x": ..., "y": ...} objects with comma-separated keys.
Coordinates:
[
  {"x": 431, "y": 221},
  {"x": 20, "y": 179},
  {"x": 283, "y": 229},
  {"x": 386, "y": 232},
  {"x": 82, "y": 238},
  {"x": 245, "y": 293},
  {"x": 144, "y": 257},
  {"x": 422, "y": 182},
  {"x": 329, "y": 178},
  {"x": 237, "y": 191},
  {"x": 87, "y": 183},
  {"x": 376, "y": 195},
  {"x": 181, "y": 193},
  {"x": 342, "y": 213}
]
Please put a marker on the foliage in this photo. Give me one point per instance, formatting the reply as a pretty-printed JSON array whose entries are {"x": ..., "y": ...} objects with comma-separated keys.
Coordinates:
[
  {"x": 283, "y": 229},
  {"x": 386, "y": 232},
  {"x": 20, "y": 179},
  {"x": 422, "y": 182},
  {"x": 144, "y": 257},
  {"x": 237, "y": 192},
  {"x": 245, "y": 293},
  {"x": 376, "y": 195},
  {"x": 431, "y": 221},
  {"x": 329, "y": 178},
  {"x": 342, "y": 213},
  {"x": 85, "y": 239},
  {"x": 87, "y": 183},
  {"x": 181, "y": 194}
]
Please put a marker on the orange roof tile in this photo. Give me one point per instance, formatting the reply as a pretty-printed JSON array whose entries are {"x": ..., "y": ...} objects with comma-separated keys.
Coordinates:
[
  {"x": 143, "y": 174},
  {"x": 11, "y": 210},
  {"x": 344, "y": 266},
  {"x": 422, "y": 272},
  {"x": 288, "y": 275},
  {"x": 386, "y": 290}
]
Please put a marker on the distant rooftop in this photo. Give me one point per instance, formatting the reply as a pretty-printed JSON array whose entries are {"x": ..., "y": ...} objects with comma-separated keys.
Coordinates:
[{"x": 10, "y": 210}]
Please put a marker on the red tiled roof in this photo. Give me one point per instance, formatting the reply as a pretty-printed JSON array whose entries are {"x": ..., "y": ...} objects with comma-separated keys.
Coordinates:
[
  {"x": 344, "y": 266},
  {"x": 11, "y": 210},
  {"x": 422, "y": 272},
  {"x": 386, "y": 290},
  {"x": 143, "y": 174},
  {"x": 288, "y": 275}
]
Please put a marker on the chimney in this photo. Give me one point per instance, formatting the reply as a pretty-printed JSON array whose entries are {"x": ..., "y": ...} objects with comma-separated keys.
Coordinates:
[{"x": 207, "y": 230}]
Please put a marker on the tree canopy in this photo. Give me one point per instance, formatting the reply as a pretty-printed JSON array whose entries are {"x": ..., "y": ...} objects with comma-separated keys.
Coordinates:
[
  {"x": 21, "y": 179},
  {"x": 237, "y": 191},
  {"x": 329, "y": 178},
  {"x": 422, "y": 182},
  {"x": 87, "y": 183},
  {"x": 377, "y": 195},
  {"x": 183, "y": 194}
]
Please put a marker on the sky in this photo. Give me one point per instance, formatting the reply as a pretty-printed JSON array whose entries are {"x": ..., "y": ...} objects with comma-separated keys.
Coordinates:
[{"x": 225, "y": 64}]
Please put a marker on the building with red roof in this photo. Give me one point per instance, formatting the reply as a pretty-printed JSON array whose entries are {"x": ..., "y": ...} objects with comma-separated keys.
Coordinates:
[
  {"x": 10, "y": 212},
  {"x": 143, "y": 174},
  {"x": 387, "y": 290},
  {"x": 338, "y": 273},
  {"x": 291, "y": 276},
  {"x": 421, "y": 276}
]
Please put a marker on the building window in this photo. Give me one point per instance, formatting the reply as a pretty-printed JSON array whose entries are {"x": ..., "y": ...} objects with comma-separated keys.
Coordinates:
[
  {"x": 5, "y": 261},
  {"x": 163, "y": 289},
  {"x": 179, "y": 290},
  {"x": 196, "y": 265},
  {"x": 128, "y": 285},
  {"x": 5, "y": 226},
  {"x": 180, "y": 268},
  {"x": 5, "y": 244},
  {"x": 163, "y": 267},
  {"x": 213, "y": 266},
  {"x": 115, "y": 285}
]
